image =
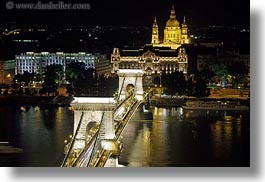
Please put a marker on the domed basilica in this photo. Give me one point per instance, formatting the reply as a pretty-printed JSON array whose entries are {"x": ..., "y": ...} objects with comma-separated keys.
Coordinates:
[
  {"x": 165, "y": 56},
  {"x": 174, "y": 35}
]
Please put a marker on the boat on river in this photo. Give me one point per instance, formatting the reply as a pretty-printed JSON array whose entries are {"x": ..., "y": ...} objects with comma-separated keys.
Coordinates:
[{"x": 215, "y": 105}]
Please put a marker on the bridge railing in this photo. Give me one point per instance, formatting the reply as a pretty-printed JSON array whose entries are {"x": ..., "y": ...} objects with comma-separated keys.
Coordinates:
[
  {"x": 77, "y": 161},
  {"x": 121, "y": 103},
  {"x": 126, "y": 118},
  {"x": 97, "y": 143},
  {"x": 72, "y": 142},
  {"x": 104, "y": 155},
  {"x": 100, "y": 158}
]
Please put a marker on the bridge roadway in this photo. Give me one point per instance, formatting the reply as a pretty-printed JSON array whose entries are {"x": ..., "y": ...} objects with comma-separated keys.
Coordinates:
[
  {"x": 80, "y": 158},
  {"x": 84, "y": 158},
  {"x": 102, "y": 159}
]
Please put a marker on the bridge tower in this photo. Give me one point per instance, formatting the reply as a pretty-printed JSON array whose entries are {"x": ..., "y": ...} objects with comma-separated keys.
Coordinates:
[
  {"x": 100, "y": 121},
  {"x": 130, "y": 77},
  {"x": 97, "y": 110}
]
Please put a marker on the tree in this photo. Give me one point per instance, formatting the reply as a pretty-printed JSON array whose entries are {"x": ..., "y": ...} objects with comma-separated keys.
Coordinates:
[
  {"x": 208, "y": 75},
  {"x": 5, "y": 92},
  {"x": 41, "y": 92},
  {"x": 70, "y": 89},
  {"x": 18, "y": 78},
  {"x": 38, "y": 77},
  {"x": 34, "y": 91},
  {"x": 20, "y": 91},
  {"x": 74, "y": 71},
  {"x": 54, "y": 72},
  {"x": 201, "y": 89},
  {"x": 167, "y": 83},
  {"x": 49, "y": 86},
  {"x": 83, "y": 81},
  {"x": 196, "y": 86},
  {"x": 25, "y": 78},
  {"x": 174, "y": 82},
  {"x": 219, "y": 70},
  {"x": 238, "y": 71},
  {"x": 189, "y": 87},
  {"x": 111, "y": 85},
  {"x": 181, "y": 83},
  {"x": 14, "y": 92},
  {"x": 200, "y": 86},
  {"x": 164, "y": 79},
  {"x": 156, "y": 81},
  {"x": 27, "y": 91}
]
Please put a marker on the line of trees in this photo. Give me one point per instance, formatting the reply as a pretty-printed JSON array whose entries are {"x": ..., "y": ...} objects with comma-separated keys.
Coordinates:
[
  {"x": 80, "y": 81},
  {"x": 196, "y": 85},
  {"x": 88, "y": 82},
  {"x": 175, "y": 82},
  {"x": 236, "y": 73}
]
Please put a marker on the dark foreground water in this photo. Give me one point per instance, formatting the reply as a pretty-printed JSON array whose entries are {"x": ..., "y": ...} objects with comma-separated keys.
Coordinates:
[{"x": 174, "y": 137}]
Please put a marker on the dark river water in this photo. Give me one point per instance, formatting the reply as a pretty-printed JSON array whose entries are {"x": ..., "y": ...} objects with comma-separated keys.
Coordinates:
[{"x": 173, "y": 137}]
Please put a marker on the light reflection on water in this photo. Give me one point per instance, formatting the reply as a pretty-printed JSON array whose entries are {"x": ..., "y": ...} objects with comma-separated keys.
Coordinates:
[
  {"x": 39, "y": 131},
  {"x": 176, "y": 137}
]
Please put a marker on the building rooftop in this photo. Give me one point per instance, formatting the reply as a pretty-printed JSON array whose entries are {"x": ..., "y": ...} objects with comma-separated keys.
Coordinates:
[{"x": 159, "y": 51}]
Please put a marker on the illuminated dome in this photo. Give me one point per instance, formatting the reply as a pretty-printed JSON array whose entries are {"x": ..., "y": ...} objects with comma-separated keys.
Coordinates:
[{"x": 172, "y": 22}]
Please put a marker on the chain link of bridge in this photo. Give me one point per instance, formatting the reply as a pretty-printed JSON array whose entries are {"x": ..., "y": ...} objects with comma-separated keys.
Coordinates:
[{"x": 100, "y": 121}]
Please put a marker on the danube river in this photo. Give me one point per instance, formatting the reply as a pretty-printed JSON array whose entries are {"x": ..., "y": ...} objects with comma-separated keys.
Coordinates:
[{"x": 171, "y": 137}]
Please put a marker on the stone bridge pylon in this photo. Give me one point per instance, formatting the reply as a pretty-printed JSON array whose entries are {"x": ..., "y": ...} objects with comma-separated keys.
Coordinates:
[{"x": 132, "y": 77}]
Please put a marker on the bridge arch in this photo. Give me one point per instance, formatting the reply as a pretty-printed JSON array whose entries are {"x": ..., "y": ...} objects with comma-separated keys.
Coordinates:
[{"x": 130, "y": 77}]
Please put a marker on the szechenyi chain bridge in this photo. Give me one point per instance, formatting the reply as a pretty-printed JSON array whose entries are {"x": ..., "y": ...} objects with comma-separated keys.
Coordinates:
[{"x": 100, "y": 121}]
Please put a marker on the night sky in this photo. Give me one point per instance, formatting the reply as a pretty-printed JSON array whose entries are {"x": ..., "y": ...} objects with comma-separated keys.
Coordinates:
[{"x": 136, "y": 13}]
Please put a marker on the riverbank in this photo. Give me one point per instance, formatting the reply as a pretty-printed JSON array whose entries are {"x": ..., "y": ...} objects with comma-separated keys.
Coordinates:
[
  {"x": 154, "y": 101},
  {"x": 176, "y": 102},
  {"x": 35, "y": 100}
]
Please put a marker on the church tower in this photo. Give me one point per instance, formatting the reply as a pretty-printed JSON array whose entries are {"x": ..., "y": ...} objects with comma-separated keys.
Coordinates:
[
  {"x": 184, "y": 32},
  {"x": 172, "y": 31},
  {"x": 175, "y": 33},
  {"x": 155, "y": 35}
]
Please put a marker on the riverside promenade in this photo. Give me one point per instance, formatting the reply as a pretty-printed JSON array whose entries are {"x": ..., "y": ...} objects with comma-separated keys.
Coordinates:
[{"x": 240, "y": 95}]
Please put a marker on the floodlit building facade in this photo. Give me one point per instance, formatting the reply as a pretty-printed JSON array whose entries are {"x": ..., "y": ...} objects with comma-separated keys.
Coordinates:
[
  {"x": 102, "y": 65},
  {"x": 152, "y": 60},
  {"x": 36, "y": 62},
  {"x": 7, "y": 71}
]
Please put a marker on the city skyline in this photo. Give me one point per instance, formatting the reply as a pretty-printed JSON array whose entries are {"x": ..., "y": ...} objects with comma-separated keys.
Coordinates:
[{"x": 135, "y": 13}]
